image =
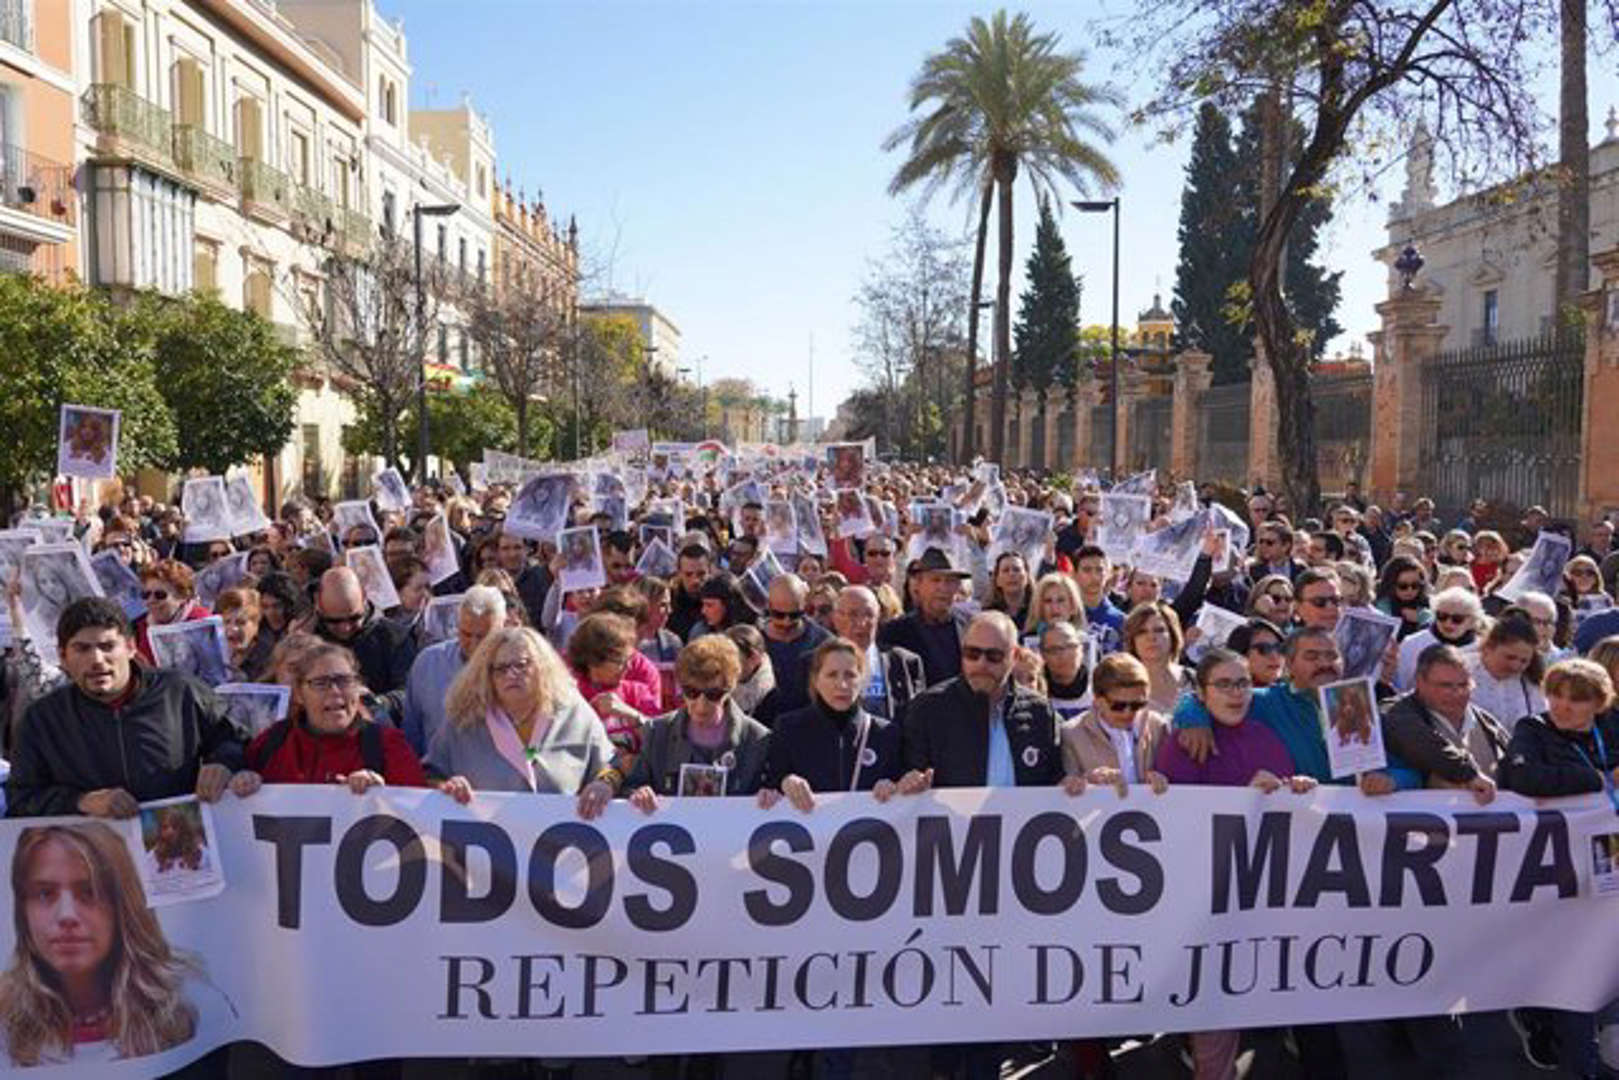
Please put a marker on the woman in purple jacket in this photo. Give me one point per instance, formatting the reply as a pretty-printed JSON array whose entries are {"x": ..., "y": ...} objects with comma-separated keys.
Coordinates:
[{"x": 1247, "y": 754}]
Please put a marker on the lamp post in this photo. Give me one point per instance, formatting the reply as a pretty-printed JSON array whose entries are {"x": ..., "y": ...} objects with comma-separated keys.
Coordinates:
[
  {"x": 1102, "y": 207},
  {"x": 416, "y": 213}
]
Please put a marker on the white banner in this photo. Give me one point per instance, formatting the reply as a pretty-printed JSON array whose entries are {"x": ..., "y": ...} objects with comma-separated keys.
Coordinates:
[{"x": 512, "y": 928}]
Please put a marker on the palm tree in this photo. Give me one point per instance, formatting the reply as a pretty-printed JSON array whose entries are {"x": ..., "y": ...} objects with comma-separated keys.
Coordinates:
[{"x": 1000, "y": 99}]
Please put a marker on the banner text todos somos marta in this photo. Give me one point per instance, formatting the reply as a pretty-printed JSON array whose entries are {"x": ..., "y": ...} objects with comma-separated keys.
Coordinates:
[{"x": 399, "y": 924}]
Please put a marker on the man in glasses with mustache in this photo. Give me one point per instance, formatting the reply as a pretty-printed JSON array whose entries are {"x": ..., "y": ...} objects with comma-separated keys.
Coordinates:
[{"x": 980, "y": 729}]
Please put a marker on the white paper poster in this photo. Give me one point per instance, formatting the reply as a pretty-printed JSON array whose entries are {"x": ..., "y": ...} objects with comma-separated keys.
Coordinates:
[{"x": 87, "y": 442}]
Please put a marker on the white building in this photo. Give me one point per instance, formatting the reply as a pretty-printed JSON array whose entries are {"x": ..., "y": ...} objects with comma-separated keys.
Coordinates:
[
  {"x": 223, "y": 152},
  {"x": 659, "y": 335},
  {"x": 1492, "y": 260}
]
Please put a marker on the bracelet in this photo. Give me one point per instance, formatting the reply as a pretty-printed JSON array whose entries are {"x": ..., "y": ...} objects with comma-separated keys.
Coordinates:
[{"x": 611, "y": 777}]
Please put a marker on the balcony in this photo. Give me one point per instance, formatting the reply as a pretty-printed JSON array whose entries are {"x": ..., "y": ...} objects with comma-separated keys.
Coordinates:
[
  {"x": 129, "y": 126},
  {"x": 211, "y": 162},
  {"x": 266, "y": 192},
  {"x": 314, "y": 211},
  {"x": 38, "y": 187},
  {"x": 355, "y": 232},
  {"x": 15, "y": 26}
]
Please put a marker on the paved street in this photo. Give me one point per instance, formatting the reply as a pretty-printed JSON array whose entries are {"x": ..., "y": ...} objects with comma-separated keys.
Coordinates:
[{"x": 1375, "y": 1053}]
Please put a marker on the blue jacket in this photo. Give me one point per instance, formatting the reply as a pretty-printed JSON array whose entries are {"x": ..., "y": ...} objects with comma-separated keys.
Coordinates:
[{"x": 1295, "y": 717}]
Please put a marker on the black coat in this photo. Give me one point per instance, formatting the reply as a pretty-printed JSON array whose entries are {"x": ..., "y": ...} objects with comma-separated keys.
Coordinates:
[
  {"x": 904, "y": 677},
  {"x": 812, "y": 743},
  {"x": 152, "y": 746},
  {"x": 384, "y": 648},
  {"x": 1541, "y": 760},
  {"x": 947, "y": 730},
  {"x": 906, "y": 632}
]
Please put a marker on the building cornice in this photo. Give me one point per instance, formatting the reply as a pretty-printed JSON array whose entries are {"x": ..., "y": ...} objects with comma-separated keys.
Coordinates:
[{"x": 284, "y": 47}]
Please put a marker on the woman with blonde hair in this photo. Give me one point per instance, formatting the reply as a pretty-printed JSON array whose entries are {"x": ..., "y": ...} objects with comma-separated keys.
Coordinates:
[
  {"x": 516, "y": 722},
  {"x": 1056, "y": 599},
  {"x": 92, "y": 977}
]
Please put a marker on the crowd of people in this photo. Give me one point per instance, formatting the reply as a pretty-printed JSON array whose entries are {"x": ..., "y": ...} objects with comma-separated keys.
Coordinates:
[{"x": 887, "y": 661}]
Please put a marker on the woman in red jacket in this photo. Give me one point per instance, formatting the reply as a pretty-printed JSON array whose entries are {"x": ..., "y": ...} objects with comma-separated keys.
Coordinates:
[{"x": 327, "y": 738}]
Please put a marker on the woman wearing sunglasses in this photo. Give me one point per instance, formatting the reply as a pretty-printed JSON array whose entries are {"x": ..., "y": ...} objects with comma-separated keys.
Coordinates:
[
  {"x": 708, "y": 729},
  {"x": 1272, "y": 600},
  {"x": 1259, "y": 643},
  {"x": 167, "y": 588},
  {"x": 1247, "y": 754},
  {"x": 1458, "y": 619},
  {"x": 1402, "y": 591}
]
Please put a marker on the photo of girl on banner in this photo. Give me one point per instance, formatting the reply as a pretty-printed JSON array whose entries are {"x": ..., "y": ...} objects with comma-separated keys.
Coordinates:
[
  {"x": 87, "y": 444},
  {"x": 848, "y": 466},
  {"x": 1351, "y": 727},
  {"x": 176, "y": 841},
  {"x": 92, "y": 977}
]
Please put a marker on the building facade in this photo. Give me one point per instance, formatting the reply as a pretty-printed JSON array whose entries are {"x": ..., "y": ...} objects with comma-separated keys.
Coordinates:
[
  {"x": 38, "y": 206},
  {"x": 1489, "y": 258},
  {"x": 660, "y": 337}
]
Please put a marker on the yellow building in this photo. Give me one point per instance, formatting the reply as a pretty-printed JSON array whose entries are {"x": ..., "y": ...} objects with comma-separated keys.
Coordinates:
[{"x": 38, "y": 204}]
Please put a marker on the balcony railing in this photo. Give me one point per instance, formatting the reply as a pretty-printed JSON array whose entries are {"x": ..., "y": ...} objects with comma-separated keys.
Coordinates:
[
  {"x": 265, "y": 186},
  {"x": 15, "y": 26},
  {"x": 36, "y": 185},
  {"x": 204, "y": 156},
  {"x": 315, "y": 208},
  {"x": 117, "y": 110},
  {"x": 356, "y": 230}
]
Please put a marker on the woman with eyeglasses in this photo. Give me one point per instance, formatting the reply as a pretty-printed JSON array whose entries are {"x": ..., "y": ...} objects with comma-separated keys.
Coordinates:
[
  {"x": 167, "y": 588},
  {"x": 516, "y": 722},
  {"x": 1115, "y": 742},
  {"x": 1402, "y": 591},
  {"x": 1584, "y": 588},
  {"x": 707, "y": 730},
  {"x": 327, "y": 737},
  {"x": 1068, "y": 681},
  {"x": 1246, "y": 754},
  {"x": 1259, "y": 642},
  {"x": 1152, "y": 634},
  {"x": 1272, "y": 599}
]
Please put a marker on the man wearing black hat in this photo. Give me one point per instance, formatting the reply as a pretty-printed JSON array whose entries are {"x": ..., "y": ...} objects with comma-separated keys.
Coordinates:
[{"x": 931, "y": 631}]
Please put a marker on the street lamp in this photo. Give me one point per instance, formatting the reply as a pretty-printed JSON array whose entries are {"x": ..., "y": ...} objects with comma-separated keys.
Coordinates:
[
  {"x": 1102, "y": 207},
  {"x": 416, "y": 212}
]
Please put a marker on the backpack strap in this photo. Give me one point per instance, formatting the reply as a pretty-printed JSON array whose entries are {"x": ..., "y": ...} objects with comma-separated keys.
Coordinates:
[
  {"x": 371, "y": 747},
  {"x": 274, "y": 738}
]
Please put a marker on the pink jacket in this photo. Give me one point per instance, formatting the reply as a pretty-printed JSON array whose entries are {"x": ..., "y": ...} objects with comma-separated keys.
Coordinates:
[{"x": 641, "y": 688}]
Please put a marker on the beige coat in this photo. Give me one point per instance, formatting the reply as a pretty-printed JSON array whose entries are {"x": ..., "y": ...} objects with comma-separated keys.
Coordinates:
[{"x": 1086, "y": 744}]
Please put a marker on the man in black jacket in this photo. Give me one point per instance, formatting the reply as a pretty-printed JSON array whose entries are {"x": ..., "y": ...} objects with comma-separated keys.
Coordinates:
[
  {"x": 115, "y": 736},
  {"x": 931, "y": 631},
  {"x": 980, "y": 729},
  {"x": 385, "y": 649},
  {"x": 686, "y": 601}
]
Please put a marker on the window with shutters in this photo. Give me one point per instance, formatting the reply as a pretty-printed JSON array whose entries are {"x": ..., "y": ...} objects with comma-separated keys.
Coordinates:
[
  {"x": 249, "y": 128},
  {"x": 189, "y": 94},
  {"x": 256, "y": 285},
  {"x": 205, "y": 266},
  {"x": 115, "y": 50}
]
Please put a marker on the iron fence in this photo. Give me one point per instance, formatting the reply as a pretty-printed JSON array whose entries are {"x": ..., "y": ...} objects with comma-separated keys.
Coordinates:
[
  {"x": 1502, "y": 422},
  {"x": 1343, "y": 429},
  {"x": 1222, "y": 434},
  {"x": 36, "y": 185},
  {"x": 1151, "y": 433}
]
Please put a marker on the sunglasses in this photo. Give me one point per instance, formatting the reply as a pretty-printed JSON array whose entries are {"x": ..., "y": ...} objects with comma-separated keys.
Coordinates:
[
  {"x": 715, "y": 694},
  {"x": 1451, "y": 617},
  {"x": 154, "y": 594},
  {"x": 1325, "y": 601},
  {"x": 1266, "y": 648},
  {"x": 976, "y": 653},
  {"x": 1408, "y": 586},
  {"x": 786, "y": 616},
  {"x": 1134, "y": 705}
]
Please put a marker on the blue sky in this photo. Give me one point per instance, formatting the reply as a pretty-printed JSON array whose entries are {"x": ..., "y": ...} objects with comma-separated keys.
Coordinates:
[{"x": 724, "y": 161}]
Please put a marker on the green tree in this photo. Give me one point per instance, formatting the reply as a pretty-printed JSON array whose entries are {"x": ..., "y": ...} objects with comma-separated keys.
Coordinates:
[
  {"x": 68, "y": 345},
  {"x": 1215, "y": 237},
  {"x": 999, "y": 100},
  {"x": 463, "y": 423},
  {"x": 226, "y": 376},
  {"x": 1046, "y": 345}
]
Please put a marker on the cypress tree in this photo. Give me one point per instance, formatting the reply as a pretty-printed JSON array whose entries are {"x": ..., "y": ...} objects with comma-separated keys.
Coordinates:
[
  {"x": 1215, "y": 241},
  {"x": 1046, "y": 336}
]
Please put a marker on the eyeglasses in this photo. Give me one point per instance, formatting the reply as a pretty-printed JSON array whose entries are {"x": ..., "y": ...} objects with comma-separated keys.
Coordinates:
[
  {"x": 975, "y": 653},
  {"x": 1457, "y": 617},
  {"x": 1266, "y": 648},
  {"x": 325, "y": 684},
  {"x": 511, "y": 667},
  {"x": 715, "y": 694},
  {"x": 1226, "y": 686},
  {"x": 1068, "y": 646},
  {"x": 786, "y": 616},
  {"x": 154, "y": 594},
  {"x": 1134, "y": 705},
  {"x": 873, "y": 553},
  {"x": 1325, "y": 601}
]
